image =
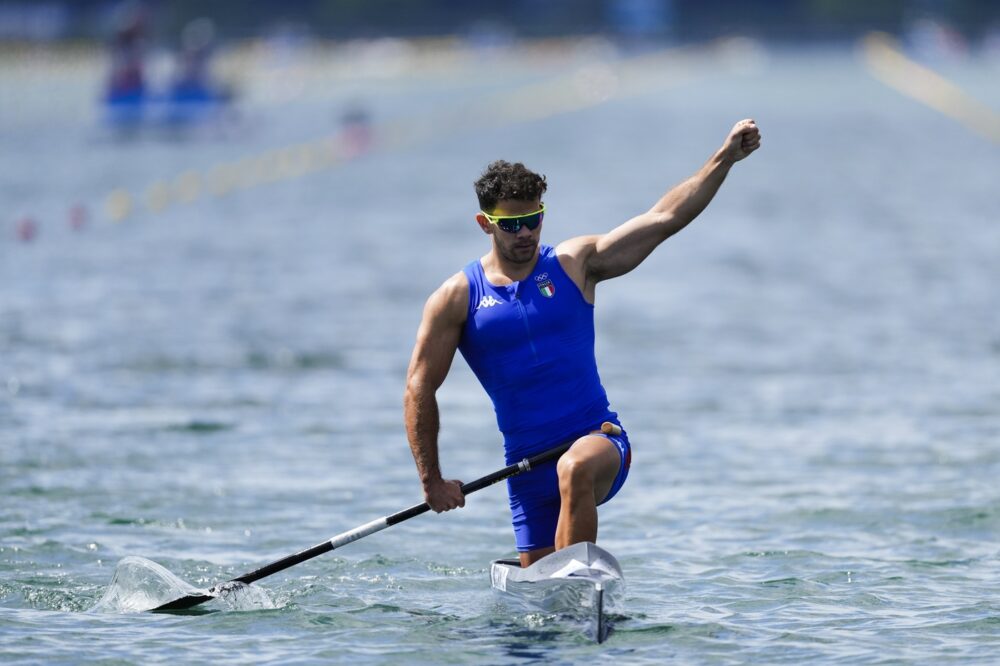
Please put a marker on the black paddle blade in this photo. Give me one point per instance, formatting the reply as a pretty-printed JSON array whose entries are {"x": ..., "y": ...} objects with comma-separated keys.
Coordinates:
[{"x": 184, "y": 603}]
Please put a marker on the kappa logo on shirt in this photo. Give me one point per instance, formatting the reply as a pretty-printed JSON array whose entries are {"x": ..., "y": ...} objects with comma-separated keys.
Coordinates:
[{"x": 488, "y": 302}]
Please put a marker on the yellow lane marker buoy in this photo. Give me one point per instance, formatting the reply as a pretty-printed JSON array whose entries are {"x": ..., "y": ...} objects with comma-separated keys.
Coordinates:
[
  {"x": 118, "y": 205},
  {"x": 187, "y": 187},
  {"x": 158, "y": 196},
  {"x": 222, "y": 179}
]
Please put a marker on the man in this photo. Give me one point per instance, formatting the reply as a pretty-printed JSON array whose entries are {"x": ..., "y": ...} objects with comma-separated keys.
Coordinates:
[{"x": 522, "y": 316}]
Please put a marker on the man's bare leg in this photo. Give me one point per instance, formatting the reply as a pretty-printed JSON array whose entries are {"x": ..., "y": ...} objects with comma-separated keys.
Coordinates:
[
  {"x": 532, "y": 556},
  {"x": 586, "y": 473}
]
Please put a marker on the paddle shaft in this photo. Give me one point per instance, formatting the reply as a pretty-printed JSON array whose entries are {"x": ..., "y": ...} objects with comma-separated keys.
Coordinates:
[
  {"x": 388, "y": 521},
  {"x": 380, "y": 524}
]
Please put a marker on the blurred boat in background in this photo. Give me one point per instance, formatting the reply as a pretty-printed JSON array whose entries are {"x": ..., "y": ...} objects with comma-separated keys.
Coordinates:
[{"x": 192, "y": 98}]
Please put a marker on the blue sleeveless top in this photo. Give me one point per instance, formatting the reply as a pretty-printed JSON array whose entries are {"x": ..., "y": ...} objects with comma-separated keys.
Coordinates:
[{"x": 531, "y": 344}]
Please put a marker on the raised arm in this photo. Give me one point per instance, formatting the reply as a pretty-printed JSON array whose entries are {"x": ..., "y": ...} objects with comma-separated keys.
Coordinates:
[
  {"x": 623, "y": 248},
  {"x": 437, "y": 339}
]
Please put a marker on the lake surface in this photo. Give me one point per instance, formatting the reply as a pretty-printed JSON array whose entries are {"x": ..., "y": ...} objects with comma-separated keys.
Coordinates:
[{"x": 810, "y": 373}]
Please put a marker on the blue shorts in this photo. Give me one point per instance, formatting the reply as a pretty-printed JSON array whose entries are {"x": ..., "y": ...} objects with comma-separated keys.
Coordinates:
[{"x": 535, "y": 502}]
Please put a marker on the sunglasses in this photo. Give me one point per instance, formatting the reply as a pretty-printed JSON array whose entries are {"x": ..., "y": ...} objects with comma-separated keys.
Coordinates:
[{"x": 513, "y": 223}]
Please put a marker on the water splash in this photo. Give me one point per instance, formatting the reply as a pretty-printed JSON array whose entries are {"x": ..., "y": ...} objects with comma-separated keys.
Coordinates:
[
  {"x": 139, "y": 585},
  {"x": 243, "y": 597}
]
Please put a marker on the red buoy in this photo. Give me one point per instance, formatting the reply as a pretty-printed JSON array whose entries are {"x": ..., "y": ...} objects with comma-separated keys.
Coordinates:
[
  {"x": 77, "y": 217},
  {"x": 27, "y": 229}
]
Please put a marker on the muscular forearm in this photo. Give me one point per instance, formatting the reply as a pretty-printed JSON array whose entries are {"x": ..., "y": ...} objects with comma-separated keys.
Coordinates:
[
  {"x": 686, "y": 201},
  {"x": 678, "y": 207},
  {"x": 420, "y": 410},
  {"x": 626, "y": 246},
  {"x": 437, "y": 339}
]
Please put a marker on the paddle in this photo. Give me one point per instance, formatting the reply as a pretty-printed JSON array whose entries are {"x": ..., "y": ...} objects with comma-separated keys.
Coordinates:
[{"x": 370, "y": 528}]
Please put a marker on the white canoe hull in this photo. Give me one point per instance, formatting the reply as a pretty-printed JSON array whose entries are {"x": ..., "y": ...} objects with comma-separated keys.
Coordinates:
[{"x": 582, "y": 582}]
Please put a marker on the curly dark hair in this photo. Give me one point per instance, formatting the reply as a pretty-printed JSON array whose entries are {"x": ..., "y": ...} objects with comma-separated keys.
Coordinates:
[{"x": 503, "y": 181}]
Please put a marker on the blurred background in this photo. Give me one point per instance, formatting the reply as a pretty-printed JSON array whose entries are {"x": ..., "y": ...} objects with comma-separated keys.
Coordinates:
[
  {"x": 219, "y": 222},
  {"x": 199, "y": 73},
  {"x": 226, "y": 78}
]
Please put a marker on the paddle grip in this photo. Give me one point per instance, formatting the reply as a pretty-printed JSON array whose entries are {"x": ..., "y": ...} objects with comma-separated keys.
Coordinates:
[{"x": 609, "y": 428}]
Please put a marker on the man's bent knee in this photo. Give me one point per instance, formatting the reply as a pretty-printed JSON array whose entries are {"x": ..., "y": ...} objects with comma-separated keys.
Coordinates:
[
  {"x": 575, "y": 479},
  {"x": 571, "y": 469},
  {"x": 591, "y": 462}
]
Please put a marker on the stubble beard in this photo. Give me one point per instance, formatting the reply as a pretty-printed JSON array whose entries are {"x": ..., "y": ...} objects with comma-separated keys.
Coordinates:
[{"x": 516, "y": 255}]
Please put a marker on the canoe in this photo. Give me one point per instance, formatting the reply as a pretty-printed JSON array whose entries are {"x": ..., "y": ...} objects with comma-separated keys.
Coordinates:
[{"x": 581, "y": 583}]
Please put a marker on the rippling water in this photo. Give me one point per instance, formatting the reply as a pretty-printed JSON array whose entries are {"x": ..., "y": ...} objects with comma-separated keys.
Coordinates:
[{"x": 809, "y": 374}]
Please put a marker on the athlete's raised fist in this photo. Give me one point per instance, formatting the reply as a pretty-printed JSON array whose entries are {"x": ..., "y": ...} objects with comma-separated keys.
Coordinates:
[{"x": 742, "y": 140}]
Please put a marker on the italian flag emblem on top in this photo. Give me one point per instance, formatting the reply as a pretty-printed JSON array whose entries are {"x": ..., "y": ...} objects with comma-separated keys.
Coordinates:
[{"x": 547, "y": 288}]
